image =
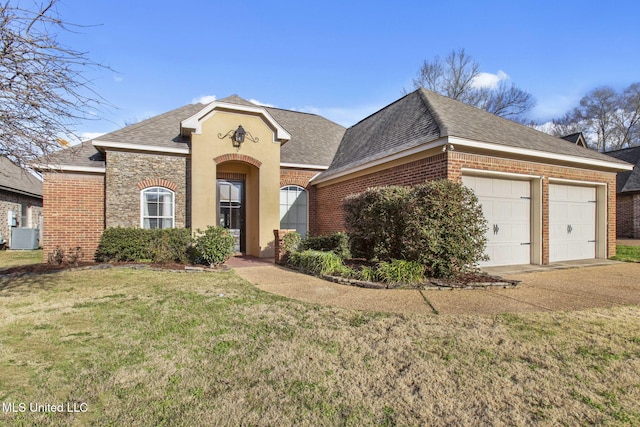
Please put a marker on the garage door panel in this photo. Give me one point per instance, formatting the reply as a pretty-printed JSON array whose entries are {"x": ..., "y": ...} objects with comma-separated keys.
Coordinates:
[
  {"x": 507, "y": 208},
  {"x": 572, "y": 222}
]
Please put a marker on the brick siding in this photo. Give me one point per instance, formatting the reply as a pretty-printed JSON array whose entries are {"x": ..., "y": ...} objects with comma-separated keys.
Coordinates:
[
  {"x": 329, "y": 198},
  {"x": 628, "y": 218},
  {"x": 73, "y": 212}
]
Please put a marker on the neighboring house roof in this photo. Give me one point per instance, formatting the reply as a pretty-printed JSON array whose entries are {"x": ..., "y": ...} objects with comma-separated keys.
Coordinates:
[
  {"x": 17, "y": 180},
  {"x": 313, "y": 141},
  {"x": 628, "y": 181},
  {"x": 424, "y": 116},
  {"x": 575, "y": 138}
]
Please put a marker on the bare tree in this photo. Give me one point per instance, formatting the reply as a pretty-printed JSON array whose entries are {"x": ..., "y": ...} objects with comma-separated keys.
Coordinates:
[
  {"x": 44, "y": 92},
  {"x": 456, "y": 77}
]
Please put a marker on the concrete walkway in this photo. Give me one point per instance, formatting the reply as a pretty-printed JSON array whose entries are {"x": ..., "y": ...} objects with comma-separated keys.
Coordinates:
[{"x": 580, "y": 287}]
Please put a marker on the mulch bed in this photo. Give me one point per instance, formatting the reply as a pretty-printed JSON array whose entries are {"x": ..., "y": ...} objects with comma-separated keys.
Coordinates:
[{"x": 45, "y": 268}]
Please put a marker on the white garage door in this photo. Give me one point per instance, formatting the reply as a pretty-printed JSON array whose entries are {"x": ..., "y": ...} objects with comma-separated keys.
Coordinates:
[
  {"x": 506, "y": 205},
  {"x": 572, "y": 222}
]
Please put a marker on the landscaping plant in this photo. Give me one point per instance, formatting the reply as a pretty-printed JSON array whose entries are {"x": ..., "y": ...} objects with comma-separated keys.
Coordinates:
[{"x": 214, "y": 245}]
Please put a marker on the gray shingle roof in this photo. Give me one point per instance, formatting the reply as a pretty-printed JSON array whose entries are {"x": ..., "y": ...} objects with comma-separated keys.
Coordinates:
[
  {"x": 15, "y": 179},
  {"x": 424, "y": 116},
  {"x": 628, "y": 181},
  {"x": 314, "y": 139}
]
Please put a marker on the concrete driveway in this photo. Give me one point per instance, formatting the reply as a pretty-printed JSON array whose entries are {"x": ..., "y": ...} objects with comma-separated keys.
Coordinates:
[{"x": 566, "y": 289}]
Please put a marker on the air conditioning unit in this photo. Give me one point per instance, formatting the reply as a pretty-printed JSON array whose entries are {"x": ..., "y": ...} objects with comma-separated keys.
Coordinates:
[{"x": 24, "y": 238}]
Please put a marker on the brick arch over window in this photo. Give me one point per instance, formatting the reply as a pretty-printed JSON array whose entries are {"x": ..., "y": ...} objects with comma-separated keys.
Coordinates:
[
  {"x": 157, "y": 182},
  {"x": 238, "y": 158},
  {"x": 300, "y": 181}
]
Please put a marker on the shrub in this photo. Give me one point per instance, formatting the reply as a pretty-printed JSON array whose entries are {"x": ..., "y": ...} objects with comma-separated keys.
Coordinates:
[
  {"x": 439, "y": 224},
  {"x": 369, "y": 274},
  {"x": 401, "y": 271},
  {"x": 319, "y": 262},
  {"x": 214, "y": 245},
  {"x": 374, "y": 222},
  {"x": 338, "y": 243},
  {"x": 291, "y": 242},
  {"x": 135, "y": 244}
]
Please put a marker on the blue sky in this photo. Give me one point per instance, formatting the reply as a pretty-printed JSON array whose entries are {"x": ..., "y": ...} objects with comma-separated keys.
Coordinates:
[{"x": 343, "y": 59}]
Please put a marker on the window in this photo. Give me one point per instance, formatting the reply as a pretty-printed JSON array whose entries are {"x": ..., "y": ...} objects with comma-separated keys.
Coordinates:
[
  {"x": 157, "y": 208},
  {"x": 293, "y": 209}
]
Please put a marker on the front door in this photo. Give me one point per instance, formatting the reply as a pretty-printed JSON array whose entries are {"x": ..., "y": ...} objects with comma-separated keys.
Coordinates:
[{"x": 231, "y": 209}]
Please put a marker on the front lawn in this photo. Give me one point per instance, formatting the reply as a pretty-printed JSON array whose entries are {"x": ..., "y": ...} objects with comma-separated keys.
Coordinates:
[
  {"x": 9, "y": 258},
  {"x": 627, "y": 253},
  {"x": 161, "y": 348}
]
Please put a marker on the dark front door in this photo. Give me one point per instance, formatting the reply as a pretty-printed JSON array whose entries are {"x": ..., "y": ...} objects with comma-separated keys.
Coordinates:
[{"x": 231, "y": 212}]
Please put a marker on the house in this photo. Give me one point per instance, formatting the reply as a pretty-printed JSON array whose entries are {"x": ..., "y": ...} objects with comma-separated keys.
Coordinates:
[
  {"x": 628, "y": 194},
  {"x": 257, "y": 169},
  {"x": 20, "y": 199}
]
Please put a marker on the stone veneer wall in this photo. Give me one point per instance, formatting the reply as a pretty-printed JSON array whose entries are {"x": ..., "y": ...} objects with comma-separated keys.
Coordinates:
[
  {"x": 10, "y": 201},
  {"x": 127, "y": 173}
]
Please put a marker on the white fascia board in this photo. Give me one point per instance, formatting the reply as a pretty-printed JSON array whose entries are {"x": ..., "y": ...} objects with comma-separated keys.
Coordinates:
[
  {"x": 140, "y": 147},
  {"x": 535, "y": 153},
  {"x": 405, "y": 153},
  {"x": 301, "y": 166},
  {"x": 195, "y": 122},
  {"x": 68, "y": 168}
]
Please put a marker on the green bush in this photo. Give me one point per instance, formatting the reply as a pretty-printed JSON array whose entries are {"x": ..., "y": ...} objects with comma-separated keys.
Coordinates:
[
  {"x": 338, "y": 243},
  {"x": 136, "y": 244},
  {"x": 439, "y": 224},
  {"x": 374, "y": 222},
  {"x": 319, "y": 262},
  {"x": 291, "y": 242},
  {"x": 214, "y": 245},
  {"x": 401, "y": 271}
]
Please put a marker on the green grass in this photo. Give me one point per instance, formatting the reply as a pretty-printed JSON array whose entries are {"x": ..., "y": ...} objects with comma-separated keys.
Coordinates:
[
  {"x": 161, "y": 348},
  {"x": 9, "y": 258},
  {"x": 627, "y": 253}
]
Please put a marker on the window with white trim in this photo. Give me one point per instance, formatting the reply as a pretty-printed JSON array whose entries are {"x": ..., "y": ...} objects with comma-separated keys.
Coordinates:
[
  {"x": 294, "y": 209},
  {"x": 157, "y": 209}
]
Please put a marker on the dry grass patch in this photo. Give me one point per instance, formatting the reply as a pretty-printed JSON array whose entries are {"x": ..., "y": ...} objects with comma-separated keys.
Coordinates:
[{"x": 160, "y": 348}]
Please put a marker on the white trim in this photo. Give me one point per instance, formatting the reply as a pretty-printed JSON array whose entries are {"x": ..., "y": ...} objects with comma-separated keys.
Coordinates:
[
  {"x": 69, "y": 168},
  {"x": 575, "y": 181},
  {"x": 195, "y": 122},
  {"x": 482, "y": 172},
  {"x": 141, "y": 147},
  {"x": 535, "y": 153},
  {"x": 302, "y": 166},
  {"x": 173, "y": 205},
  {"x": 437, "y": 143}
]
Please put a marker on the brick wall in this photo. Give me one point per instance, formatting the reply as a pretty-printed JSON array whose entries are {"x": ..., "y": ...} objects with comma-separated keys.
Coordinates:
[
  {"x": 128, "y": 173},
  {"x": 328, "y": 200},
  {"x": 458, "y": 160},
  {"x": 10, "y": 201},
  {"x": 73, "y": 212},
  {"x": 628, "y": 218}
]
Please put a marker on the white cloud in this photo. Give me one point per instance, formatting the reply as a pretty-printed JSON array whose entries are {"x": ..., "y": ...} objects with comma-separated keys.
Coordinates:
[
  {"x": 86, "y": 136},
  {"x": 488, "y": 80},
  {"x": 118, "y": 79},
  {"x": 205, "y": 99},
  {"x": 263, "y": 104}
]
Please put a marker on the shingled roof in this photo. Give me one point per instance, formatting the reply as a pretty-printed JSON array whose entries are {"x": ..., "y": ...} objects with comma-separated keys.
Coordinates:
[
  {"x": 314, "y": 139},
  {"x": 628, "y": 181},
  {"x": 424, "y": 116},
  {"x": 17, "y": 180}
]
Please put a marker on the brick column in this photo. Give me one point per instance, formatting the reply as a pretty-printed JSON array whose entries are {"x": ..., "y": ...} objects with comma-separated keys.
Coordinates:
[{"x": 279, "y": 251}]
